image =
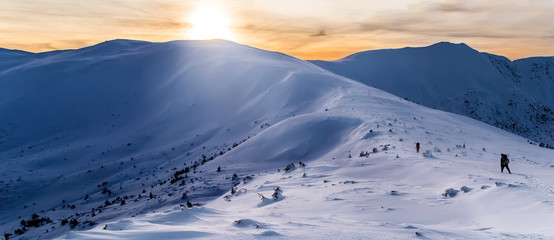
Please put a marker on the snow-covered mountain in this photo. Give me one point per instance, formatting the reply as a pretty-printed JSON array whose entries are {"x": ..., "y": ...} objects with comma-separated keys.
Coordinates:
[
  {"x": 516, "y": 96},
  {"x": 204, "y": 139}
]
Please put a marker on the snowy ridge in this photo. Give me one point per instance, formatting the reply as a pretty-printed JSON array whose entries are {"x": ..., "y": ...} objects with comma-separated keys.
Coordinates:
[
  {"x": 177, "y": 140},
  {"x": 516, "y": 96}
]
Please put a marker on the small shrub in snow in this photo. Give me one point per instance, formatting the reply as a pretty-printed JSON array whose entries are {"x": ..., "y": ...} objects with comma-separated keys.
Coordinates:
[
  {"x": 427, "y": 154},
  {"x": 73, "y": 223},
  {"x": 374, "y": 150},
  {"x": 261, "y": 196},
  {"x": 451, "y": 192},
  {"x": 246, "y": 179},
  {"x": 465, "y": 189},
  {"x": 246, "y": 223},
  {"x": 303, "y": 166},
  {"x": 291, "y": 167},
  {"x": 277, "y": 193},
  {"x": 35, "y": 221},
  {"x": 20, "y": 231}
]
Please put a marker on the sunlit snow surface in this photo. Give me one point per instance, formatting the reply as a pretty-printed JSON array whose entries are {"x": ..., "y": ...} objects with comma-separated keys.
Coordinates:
[{"x": 131, "y": 114}]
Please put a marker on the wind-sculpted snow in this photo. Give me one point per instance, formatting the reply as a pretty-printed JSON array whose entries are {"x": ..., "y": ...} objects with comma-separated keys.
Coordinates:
[
  {"x": 516, "y": 96},
  {"x": 211, "y": 139}
]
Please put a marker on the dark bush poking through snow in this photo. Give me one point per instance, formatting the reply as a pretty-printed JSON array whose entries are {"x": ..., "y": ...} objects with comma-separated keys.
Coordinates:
[
  {"x": 465, "y": 189},
  {"x": 451, "y": 192},
  {"x": 277, "y": 193},
  {"x": 246, "y": 223},
  {"x": 73, "y": 223},
  {"x": 35, "y": 221},
  {"x": 427, "y": 154},
  {"x": 290, "y": 167}
]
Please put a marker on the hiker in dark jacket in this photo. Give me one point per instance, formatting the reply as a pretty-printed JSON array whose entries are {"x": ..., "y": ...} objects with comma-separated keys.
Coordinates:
[
  {"x": 504, "y": 161},
  {"x": 417, "y": 147}
]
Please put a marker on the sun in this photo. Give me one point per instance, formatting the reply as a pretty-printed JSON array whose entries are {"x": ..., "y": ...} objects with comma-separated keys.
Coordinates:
[{"x": 210, "y": 21}]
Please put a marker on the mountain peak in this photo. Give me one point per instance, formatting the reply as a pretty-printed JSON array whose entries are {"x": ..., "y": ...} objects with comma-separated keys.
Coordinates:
[
  {"x": 12, "y": 52},
  {"x": 437, "y": 48},
  {"x": 454, "y": 77},
  {"x": 449, "y": 45},
  {"x": 445, "y": 43}
]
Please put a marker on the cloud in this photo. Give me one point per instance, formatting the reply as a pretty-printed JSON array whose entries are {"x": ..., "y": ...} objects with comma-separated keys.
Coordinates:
[
  {"x": 450, "y": 6},
  {"x": 321, "y": 33},
  {"x": 285, "y": 26},
  {"x": 166, "y": 24}
]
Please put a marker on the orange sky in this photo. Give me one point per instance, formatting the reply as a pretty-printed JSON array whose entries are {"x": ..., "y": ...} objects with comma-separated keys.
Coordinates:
[{"x": 308, "y": 29}]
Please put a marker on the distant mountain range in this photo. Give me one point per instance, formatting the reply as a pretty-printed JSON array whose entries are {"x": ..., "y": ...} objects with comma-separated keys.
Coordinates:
[{"x": 517, "y": 96}]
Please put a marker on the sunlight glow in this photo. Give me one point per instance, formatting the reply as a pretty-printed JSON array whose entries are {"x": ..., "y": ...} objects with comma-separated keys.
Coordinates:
[{"x": 210, "y": 21}]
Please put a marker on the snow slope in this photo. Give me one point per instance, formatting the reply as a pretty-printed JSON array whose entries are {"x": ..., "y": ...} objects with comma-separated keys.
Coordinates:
[
  {"x": 516, "y": 96},
  {"x": 118, "y": 137}
]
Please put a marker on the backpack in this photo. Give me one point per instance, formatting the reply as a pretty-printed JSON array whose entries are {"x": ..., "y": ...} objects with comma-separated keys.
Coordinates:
[{"x": 504, "y": 159}]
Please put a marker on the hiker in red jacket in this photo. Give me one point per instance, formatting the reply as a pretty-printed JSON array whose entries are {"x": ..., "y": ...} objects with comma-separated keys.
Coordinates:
[
  {"x": 504, "y": 161},
  {"x": 417, "y": 147}
]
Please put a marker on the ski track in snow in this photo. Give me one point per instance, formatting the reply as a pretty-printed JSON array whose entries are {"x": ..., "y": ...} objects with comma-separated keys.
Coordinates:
[{"x": 539, "y": 185}]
